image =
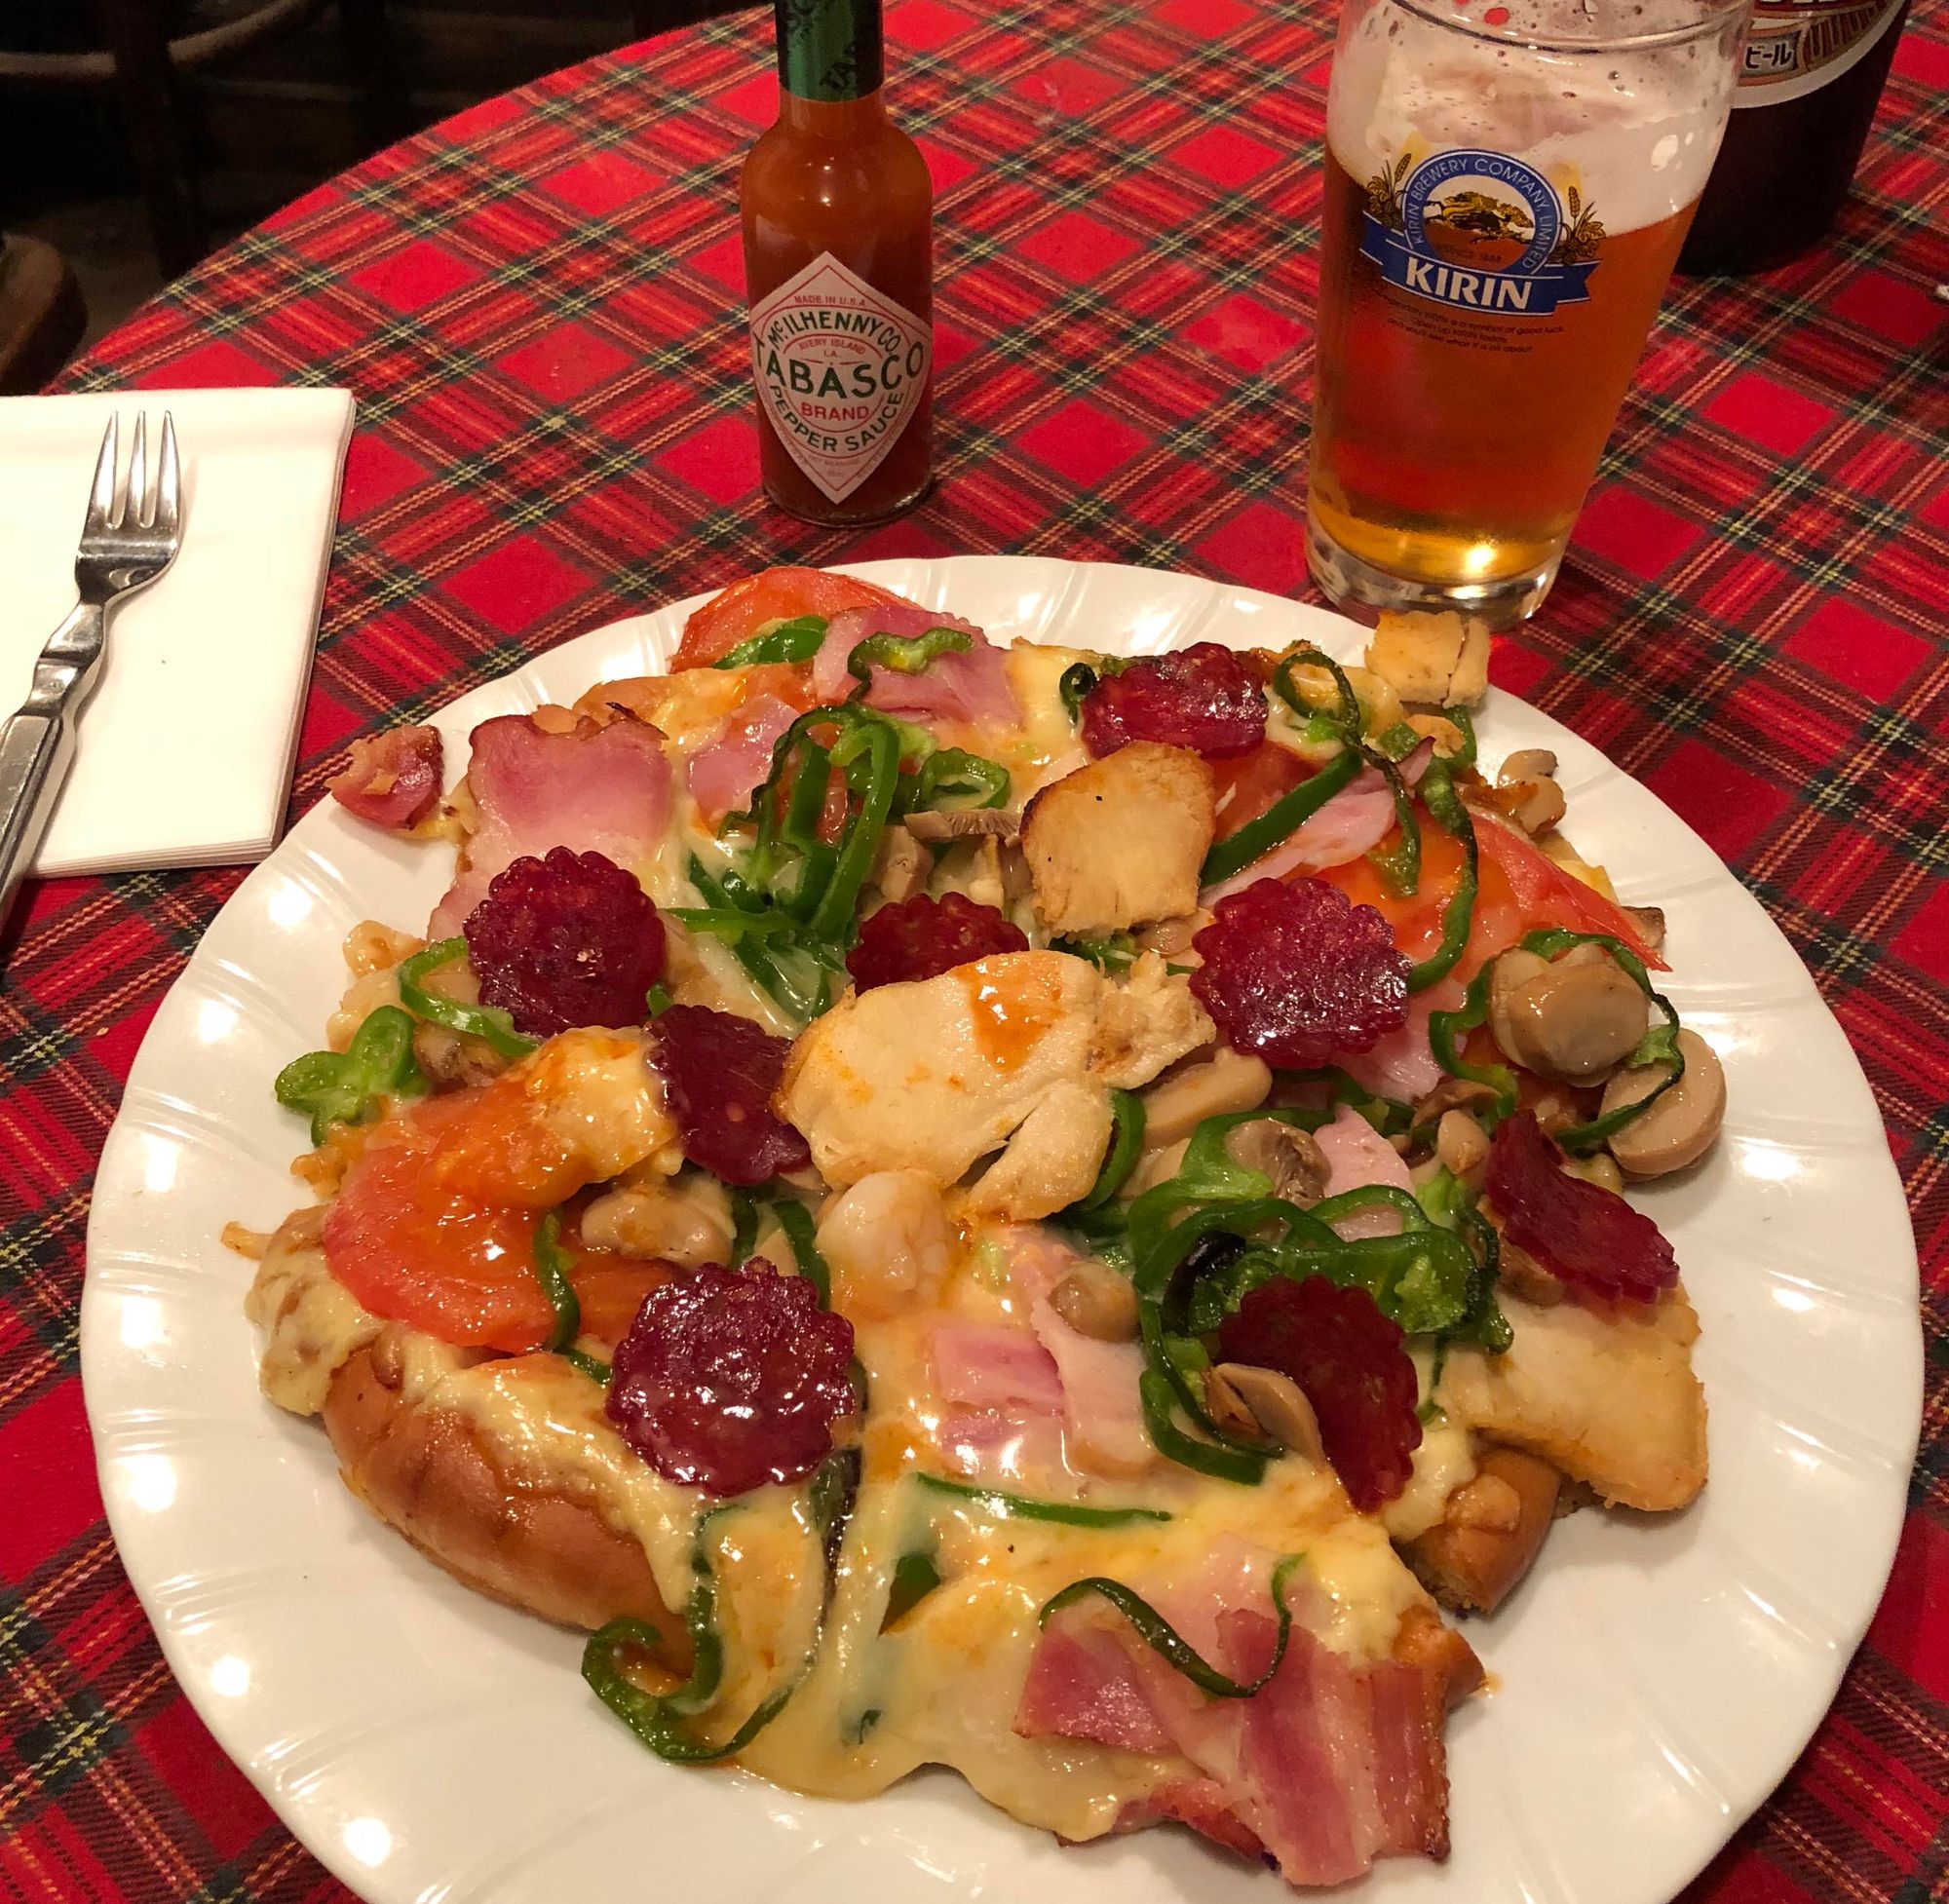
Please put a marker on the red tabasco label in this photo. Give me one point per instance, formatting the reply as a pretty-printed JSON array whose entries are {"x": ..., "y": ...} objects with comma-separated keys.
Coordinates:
[
  {"x": 840, "y": 370},
  {"x": 1798, "y": 46}
]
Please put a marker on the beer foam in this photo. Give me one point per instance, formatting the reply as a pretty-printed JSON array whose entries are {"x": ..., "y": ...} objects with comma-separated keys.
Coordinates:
[{"x": 1635, "y": 131}]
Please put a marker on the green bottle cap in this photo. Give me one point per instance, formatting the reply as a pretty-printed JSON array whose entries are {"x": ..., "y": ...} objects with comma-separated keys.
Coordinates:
[{"x": 829, "y": 49}]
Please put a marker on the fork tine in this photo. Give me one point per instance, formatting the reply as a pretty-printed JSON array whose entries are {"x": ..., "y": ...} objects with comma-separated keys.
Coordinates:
[
  {"x": 169, "y": 482},
  {"x": 129, "y": 511},
  {"x": 101, "y": 498}
]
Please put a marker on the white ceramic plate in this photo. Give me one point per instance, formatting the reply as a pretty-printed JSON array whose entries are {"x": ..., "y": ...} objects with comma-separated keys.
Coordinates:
[{"x": 1655, "y": 1678}]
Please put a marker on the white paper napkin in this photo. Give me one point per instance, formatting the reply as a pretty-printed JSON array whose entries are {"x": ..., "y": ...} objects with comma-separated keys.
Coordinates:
[{"x": 186, "y": 747}]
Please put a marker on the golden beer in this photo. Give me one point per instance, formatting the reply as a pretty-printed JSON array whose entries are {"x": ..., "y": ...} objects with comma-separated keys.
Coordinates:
[{"x": 1498, "y": 225}]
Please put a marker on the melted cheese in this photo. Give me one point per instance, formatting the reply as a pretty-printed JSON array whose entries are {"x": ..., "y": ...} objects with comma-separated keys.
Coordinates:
[{"x": 1445, "y": 1462}]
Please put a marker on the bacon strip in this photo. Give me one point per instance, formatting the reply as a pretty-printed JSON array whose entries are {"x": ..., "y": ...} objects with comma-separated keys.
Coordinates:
[
  {"x": 391, "y": 780},
  {"x": 593, "y": 789},
  {"x": 1328, "y": 1767},
  {"x": 967, "y": 687}
]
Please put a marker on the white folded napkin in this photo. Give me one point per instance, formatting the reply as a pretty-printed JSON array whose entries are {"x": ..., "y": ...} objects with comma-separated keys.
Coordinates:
[{"x": 186, "y": 747}]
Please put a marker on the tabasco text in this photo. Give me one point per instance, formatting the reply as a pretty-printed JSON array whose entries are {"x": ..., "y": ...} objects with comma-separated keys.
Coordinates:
[{"x": 838, "y": 215}]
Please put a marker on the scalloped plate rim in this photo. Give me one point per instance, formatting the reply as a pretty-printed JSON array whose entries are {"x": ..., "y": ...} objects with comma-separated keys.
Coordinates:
[{"x": 109, "y": 1369}]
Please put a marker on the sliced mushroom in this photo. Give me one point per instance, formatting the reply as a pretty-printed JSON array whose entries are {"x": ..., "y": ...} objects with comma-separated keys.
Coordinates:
[
  {"x": 1263, "y": 1402},
  {"x": 1679, "y": 1128},
  {"x": 1440, "y": 729},
  {"x": 687, "y": 1222},
  {"x": 973, "y": 823},
  {"x": 1650, "y": 924},
  {"x": 1523, "y": 1276},
  {"x": 1206, "y": 1084},
  {"x": 451, "y": 1059},
  {"x": 1572, "y": 1020},
  {"x": 1527, "y": 764},
  {"x": 1451, "y": 1094},
  {"x": 902, "y": 865},
  {"x": 1536, "y": 806},
  {"x": 1460, "y": 1143},
  {"x": 1120, "y": 842},
  {"x": 1599, "y": 1170},
  {"x": 1172, "y": 936},
  {"x": 1096, "y": 1302},
  {"x": 1291, "y": 1157}
]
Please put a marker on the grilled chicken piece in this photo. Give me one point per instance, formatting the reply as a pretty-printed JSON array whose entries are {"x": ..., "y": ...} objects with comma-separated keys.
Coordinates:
[
  {"x": 1438, "y": 661},
  {"x": 934, "y": 1075},
  {"x": 1120, "y": 842},
  {"x": 1052, "y": 1159},
  {"x": 1608, "y": 1397}
]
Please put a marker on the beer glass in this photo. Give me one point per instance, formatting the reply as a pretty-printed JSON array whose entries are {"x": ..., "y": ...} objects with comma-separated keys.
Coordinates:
[{"x": 1508, "y": 184}]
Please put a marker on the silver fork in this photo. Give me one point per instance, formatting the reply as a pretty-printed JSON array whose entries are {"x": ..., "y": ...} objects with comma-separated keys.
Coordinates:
[{"x": 131, "y": 535}]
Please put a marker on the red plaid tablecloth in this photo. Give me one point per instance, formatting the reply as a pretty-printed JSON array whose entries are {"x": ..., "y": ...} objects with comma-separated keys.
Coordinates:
[{"x": 538, "y": 307}]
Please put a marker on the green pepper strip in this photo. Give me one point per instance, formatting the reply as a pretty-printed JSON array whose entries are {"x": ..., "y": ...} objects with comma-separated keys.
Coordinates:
[
  {"x": 1164, "y": 1640},
  {"x": 905, "y": 655},
  {"x": 1115, "y": 954},
  {"x": 1126, "y": 1142},
  {"x": 1444, "y": 1029},
  {"x": 1349, "y": 717},
  {"x": 1020, "y": 1506},
  {"x": 953, "y": 780},
  {"x": 878, "y": 744},
  {"x": 1484, "y": 1325},
  {"x": 1074, "y": 689},
  {"x": 486, "y": 1022},
  {"x": 1389, "y": 1115},
  {"x": 730, "y": 921},
  {"x": 553, "y": 1264},
  {"x": 916, "y": 1574},
  {"x": 658, "y": 1719},
  {"x": 795, "y": 1219},
  {"x": 658, "y": 1000},
  {"x": 1658, "y": 1045},
  {"x": 1396, "y": 744},
  {"x": 1257, "y": 837},
  {"x": 766, "y": 970},
  {"x": 348, "y": 1086},
  {"x": 796, "y": 640},
  {"x": 744, "y": 1225},
  {"x": 1399, "y": 865},
  {"x": 1444, "y": 806},
  {"x": 1465, "y": 757}
]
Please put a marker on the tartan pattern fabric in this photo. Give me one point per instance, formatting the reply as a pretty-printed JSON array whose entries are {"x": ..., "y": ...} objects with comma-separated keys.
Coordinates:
[{"x": 537, "y": 306}]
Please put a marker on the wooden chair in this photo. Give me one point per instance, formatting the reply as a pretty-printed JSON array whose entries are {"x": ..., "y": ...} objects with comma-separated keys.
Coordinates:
[
  {"x": 42, "y": 317},
  {"x": 144, "y": 61}
]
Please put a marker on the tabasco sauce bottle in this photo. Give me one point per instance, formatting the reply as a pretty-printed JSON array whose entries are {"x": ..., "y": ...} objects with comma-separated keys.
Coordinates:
[{"x": 838, "y": 217}]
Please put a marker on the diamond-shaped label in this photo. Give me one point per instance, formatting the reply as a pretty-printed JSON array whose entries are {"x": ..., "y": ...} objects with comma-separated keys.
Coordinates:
[{"x": 840, "y": 370}]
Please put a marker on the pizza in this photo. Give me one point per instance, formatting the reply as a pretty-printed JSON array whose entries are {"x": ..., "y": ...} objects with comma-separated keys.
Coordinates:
[{"x": 955, "y": 1202}]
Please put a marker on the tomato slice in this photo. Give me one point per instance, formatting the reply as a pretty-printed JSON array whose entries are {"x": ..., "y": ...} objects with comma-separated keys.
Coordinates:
[
  {"x": 1248, "y": 784},
  {"x": 413, "y": 1241},
  {"x": 773, "y": 595},
  {"x": 611, "y": 1289},
  {"x": 435, "y": 1224},
  {"x": 1547, "y": 895}
]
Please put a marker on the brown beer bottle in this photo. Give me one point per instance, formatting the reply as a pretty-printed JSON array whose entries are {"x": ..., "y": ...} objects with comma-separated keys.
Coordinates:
[
  {"x": 1811, "y": 76},
  {"x": 838, "y": 214}
]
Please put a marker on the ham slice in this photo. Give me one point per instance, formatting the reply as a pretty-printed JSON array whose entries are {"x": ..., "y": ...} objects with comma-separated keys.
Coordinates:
[
  {"x": 1102, "y": 1413},
  {"x": 730, "y": 769},
  {"x": 986, "y": 1365},
  {"x": 1401, "y": 1065},
  {"x": 966, "y": 687},
  {"x": 1012, "y": 1449},
  {"x": 1357, "y": 1154},
  {"x": 1328, "y": 1768},
  {"x": 593, "y": 789},
  {"x": 391, "y": 780},
  {"x": 1355, "y": 820}
]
